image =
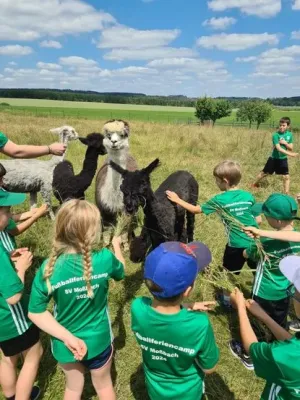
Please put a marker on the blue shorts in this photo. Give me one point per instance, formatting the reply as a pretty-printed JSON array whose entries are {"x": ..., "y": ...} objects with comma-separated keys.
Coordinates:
[{"x": 99, "y": 361}]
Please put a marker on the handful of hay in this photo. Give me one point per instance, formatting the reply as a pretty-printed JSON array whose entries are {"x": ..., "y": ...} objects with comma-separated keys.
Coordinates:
[{"x": 124, "y": 222}]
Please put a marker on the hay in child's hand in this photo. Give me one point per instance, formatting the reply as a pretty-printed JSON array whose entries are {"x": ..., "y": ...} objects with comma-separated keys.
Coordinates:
[{"x": 125, "y": 220}]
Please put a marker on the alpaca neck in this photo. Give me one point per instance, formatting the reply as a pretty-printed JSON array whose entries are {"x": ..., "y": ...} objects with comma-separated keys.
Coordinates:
[
  {"x": 119, "y": 157},
  {"x": 90, "y": 162},
  {"x": 57, "y": 159}
]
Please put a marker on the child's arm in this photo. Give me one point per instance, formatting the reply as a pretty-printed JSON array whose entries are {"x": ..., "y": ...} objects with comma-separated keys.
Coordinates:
[
  {"x": 200, "y": 306},
  {"x": 256, "y": 310},
  {"x": 289, "y": 146},
  {"x": 21, "y": 265},
  {"x": 247, "y": 334},
  {"x": 23, "y": 216},
  {"x": 116, "y": 243},
  {"x": 23, "y": 226},
  {"x": 288, "y": 236},
  {"x": 47, "y": 323},
  {"x": 288, "y": 153},
  {"x": 172, "y": 196}
]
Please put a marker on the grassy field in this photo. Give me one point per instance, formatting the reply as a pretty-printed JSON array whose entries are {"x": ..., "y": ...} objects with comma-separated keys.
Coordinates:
[
  {"x": 184, "y": 115},
  {"x": 197, "y": 150}
]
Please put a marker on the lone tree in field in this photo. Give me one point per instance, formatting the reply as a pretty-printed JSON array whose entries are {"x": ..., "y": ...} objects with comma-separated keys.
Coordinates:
[
  {"x": 254, "y": 111},
  {"x": 212, "y": 109}
]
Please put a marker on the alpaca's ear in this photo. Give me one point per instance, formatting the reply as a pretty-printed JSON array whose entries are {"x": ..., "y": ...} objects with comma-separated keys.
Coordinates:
[
  {"x": 151, "y": 167},
  {"x": 117, "y": 168},
  {"x": 83, "y": 140}
]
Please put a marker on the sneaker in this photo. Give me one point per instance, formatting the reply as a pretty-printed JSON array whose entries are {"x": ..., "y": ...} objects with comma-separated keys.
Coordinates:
[
  {"x": 226, "y": 304},
  {"x": 35, "y": 393},
  {"x": 294, "y": 325},
  {"x": 237, "y": 350}
]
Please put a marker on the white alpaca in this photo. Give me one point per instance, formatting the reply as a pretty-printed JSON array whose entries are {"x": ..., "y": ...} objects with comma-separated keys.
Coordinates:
[{"x": 33, "y": 176}]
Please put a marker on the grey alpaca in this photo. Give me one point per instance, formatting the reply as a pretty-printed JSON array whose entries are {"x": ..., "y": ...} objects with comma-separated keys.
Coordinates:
[
  {"x": 33, "y": 176},
  {"x": 164, "y": 221},
  {"x": 66, "y": 185},
  {"x": 109, "y": 198}
]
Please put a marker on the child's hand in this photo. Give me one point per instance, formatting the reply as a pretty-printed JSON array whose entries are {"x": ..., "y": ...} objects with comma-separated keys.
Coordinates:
[
  {"x": 172, "y": 196},
  {"x": 15, "y": 254},
  {"x": 116, "y": 241},
  {"x": 255, "y": 309},
  {"x": 43, "y": 210},
  {"x": 24, "y": 261},
  {"x": 237, "y": 298},
  {"x": 284, "y": 142},
  {"x": 76, "y": 346},
  {"x": 201, "y": 306},
  {"x": 251, "y": 231},
  {"x": 294, "y": 154}
]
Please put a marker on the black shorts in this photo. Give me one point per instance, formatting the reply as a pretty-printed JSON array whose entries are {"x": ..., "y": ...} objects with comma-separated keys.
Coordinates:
[
  {"x": 277, "y": 166},
  {"x": 233, "y": 260},
  {"x": 18, "y": 344},
  {"x": 276, "y": 309},
  {"x": 99, "y": 361}
]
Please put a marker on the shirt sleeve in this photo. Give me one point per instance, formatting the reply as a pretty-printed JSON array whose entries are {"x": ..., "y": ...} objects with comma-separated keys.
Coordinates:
[
  {"x": 263, "y": 361},
  {"x": 11, "y": 225},
  {"x": 210, "y": 206},
  {"x": 10, "y": 283},
  {"x": 275, "y": 139},
  {"x": 117, "y": 268},
  {"x": 3, "y": 140},
  {"x": 209, "y": 354},
  {"x": 39, "y": 297}
]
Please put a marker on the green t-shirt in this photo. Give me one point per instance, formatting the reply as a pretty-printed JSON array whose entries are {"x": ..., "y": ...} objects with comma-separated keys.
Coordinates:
[
  {"x": 14, "y": 320},
  {"x": 175, "y": 349},
  {"x": 8, "y": 241},
  {"x": 3, "y": 140},
  {"x": 288, "y": 137},
  {"x": 86, "y": 318},
  {"x": 278, "y": 363},
  {"x": 236, "y": 204},
  {"x": 269, "y": 282}
]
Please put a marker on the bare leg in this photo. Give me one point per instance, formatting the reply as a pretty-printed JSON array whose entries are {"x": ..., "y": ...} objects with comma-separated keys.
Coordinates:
[
  {"x": 260, "y": 176},
  {"x": 286, "y": 183},
  {"x": 102, "y": 382},
  {"x": 33, "y": 200},
  {"x": 8, "y": 374},
  {"x": 74, "y": 373},
  {"x": 29, "y": 371}
]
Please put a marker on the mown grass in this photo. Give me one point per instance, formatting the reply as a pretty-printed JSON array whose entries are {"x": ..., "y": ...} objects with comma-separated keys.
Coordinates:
[{"x": 178, "y": 147}]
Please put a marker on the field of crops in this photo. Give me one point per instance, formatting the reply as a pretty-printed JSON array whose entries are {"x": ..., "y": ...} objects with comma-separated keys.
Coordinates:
[
  {"x": 193, "y": 148},
  {"x": 181, "y": 115}
]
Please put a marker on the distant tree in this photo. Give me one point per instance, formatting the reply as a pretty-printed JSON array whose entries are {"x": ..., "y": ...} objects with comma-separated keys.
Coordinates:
[
  {"x": 212, "y": 109},
  {"x": 254, "y": 111}
]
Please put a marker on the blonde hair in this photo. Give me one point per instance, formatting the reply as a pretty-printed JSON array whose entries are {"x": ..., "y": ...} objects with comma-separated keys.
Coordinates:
[
  {"x": 229, "y": 170},
  {"x": 77, "y": 227}
]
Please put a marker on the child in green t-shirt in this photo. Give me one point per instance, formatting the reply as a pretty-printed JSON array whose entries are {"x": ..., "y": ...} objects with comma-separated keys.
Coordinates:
[
  {"x": 18, "y": 336},
  {"x": 177, "y": 343},
  {"x": 231, "y": 203},
  {"x": 77, "y": 278},
  {"x": 278, "y": 161},
  {"x": 277, "y": 362}
]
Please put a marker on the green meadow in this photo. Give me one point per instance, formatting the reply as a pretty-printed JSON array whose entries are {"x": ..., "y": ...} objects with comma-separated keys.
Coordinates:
[{"x": 193, "y": 148}]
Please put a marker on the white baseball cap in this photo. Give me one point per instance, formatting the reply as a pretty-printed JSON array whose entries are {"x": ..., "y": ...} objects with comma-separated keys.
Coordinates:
[{"x": 290, "y": 267}]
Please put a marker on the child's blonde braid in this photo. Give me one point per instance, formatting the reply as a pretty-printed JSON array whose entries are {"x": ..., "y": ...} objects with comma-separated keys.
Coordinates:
[
  {"x": 50, "y": 268},
  {"x": 85, "y": 248}
]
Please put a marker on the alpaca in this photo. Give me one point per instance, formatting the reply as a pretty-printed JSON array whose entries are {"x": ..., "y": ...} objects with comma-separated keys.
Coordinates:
[
  {"x": 65, "y": 184},
  {"x": 33, "y": 176},
  {"x": 109, "y": 198},
  {"x": 164, "y": 221}
]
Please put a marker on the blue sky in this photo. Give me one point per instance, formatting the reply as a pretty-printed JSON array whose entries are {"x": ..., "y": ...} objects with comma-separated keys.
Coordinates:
[{"x": 163, "y": 47}]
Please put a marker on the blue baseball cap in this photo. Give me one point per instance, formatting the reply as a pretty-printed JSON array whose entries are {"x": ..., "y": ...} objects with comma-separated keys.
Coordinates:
[{"x": 173, "y": 266}]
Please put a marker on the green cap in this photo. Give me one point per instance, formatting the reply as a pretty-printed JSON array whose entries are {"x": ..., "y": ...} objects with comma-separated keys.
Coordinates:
[
  {"x": 11, "y": 199},
  {"x": 278, "y": 206}
]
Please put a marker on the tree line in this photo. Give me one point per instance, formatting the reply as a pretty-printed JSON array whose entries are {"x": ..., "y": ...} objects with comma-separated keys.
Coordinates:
[{"x": 132, "y": 98}]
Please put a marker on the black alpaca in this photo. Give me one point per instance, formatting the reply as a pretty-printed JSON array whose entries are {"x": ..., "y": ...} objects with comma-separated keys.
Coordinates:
[
  {"x": 164, "y": 221},
  {"x": 68, "y": 186}
]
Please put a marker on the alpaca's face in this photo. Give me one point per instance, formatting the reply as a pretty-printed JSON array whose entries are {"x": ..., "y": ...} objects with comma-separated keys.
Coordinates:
[
  {"x": 65, "y": 133},
  {"x": 135, "y": 188},
  {"x": 116, "y": 134}
]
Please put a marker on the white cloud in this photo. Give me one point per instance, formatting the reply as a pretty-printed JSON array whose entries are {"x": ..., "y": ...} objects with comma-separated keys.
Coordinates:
[
  {"x": 149, "y": 53},
  {"x": 219, "y": 23},
  {"x": 245, "y": 59},
  {"x": 74, "y": 61},
  {"x": 268, "y": 74},
  {"x": 124, "y": 37},
  {"x": 15, "y": 50},
  {"x": 259, "y": 8},
  {"x": 12, "y": 63},
  {"x": 43, "y": 65},
  {"x": 236, "y": 41},
  {"x": 296, "y": 5},
  {"x": 51, "y": 44},
  {"x": 295, "y": 35},
  {"x": 29, "y": 20}
]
